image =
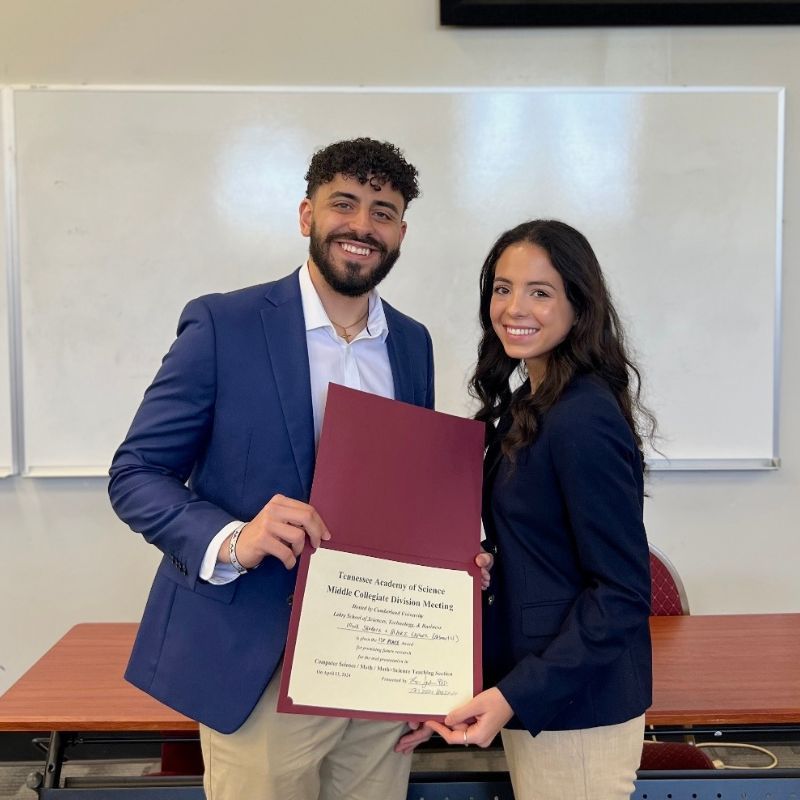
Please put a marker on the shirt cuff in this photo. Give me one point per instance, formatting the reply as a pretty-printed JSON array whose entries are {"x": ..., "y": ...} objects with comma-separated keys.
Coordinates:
[{"x": 218, "y": 572}]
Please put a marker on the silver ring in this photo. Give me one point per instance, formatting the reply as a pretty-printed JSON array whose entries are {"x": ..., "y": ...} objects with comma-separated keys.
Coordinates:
[{"x": 466, "y": 742}]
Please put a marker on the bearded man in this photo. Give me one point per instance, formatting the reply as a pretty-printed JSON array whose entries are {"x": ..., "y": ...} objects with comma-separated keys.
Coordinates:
[{"x": 216, "y": 472}]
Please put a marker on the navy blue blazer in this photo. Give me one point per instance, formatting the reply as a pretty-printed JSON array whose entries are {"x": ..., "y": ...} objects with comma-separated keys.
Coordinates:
[
  {"x": 226, "y": 424},
  {"x": 566, "y": 633}
]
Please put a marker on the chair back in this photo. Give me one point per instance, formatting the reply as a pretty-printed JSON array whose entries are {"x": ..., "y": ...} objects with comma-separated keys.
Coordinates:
[
  {"x": 667, "y": 595},
  {"x": 673, "y": 755}
]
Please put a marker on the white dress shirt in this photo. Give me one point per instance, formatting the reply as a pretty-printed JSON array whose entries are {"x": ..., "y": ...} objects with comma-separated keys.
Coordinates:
[{"x": 363, "y": 363}]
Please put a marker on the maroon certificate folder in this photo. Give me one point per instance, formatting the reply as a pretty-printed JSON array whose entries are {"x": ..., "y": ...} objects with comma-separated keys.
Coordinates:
[{"x": 392, "y": 629}]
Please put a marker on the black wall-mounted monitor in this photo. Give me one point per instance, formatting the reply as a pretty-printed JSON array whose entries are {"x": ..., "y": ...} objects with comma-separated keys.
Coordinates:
[{"x": 571, "y": 13}]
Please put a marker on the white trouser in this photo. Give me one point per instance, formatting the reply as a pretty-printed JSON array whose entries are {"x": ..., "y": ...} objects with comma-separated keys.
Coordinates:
[{"x": 588, "y": 764}]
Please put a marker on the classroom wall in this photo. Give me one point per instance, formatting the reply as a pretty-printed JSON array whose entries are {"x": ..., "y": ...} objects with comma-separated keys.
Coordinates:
[{"x": 733, "y": 536}]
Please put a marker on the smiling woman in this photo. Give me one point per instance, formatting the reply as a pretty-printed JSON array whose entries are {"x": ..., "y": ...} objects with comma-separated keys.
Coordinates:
[
  {"x": 529, "y": 310},
  {"x": 545, "y": 309},
  {"x": 566, "y": 645}
]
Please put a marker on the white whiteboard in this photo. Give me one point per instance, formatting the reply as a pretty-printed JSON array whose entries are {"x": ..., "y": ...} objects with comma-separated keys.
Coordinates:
[
  {"x": 133, "y": 201},
  {"x": 6, "y": 457}
]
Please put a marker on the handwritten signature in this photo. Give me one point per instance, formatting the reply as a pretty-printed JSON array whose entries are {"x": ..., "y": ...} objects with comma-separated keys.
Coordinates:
[
  {"x": 421, "y": 680},
  {"x": 437, "y": 690}
]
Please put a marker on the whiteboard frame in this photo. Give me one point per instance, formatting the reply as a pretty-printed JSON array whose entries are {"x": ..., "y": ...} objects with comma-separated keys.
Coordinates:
[
  {"x": 13, "y": 294},
  {"x": 19, "y": 465}
]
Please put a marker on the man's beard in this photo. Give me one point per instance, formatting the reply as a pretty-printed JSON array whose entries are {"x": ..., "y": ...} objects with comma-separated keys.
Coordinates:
[{"x": 352, "y": 281}]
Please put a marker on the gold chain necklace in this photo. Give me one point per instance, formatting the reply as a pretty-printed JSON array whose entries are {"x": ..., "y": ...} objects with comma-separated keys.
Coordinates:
[{"x": 348, "y": 336}]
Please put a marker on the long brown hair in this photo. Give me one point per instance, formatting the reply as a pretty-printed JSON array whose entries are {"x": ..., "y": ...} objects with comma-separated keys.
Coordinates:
[{"x": 595, "y": 344}]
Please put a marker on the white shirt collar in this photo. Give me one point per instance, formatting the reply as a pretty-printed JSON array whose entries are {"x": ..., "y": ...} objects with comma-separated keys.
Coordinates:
[{"x": 315, "y": 316}]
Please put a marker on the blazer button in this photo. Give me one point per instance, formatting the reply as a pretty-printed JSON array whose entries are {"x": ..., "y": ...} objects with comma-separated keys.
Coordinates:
[
  {"x": 290, "y": 599},
  {"x": 490, "y": 599},
  {"x": 494, "y": 550}
]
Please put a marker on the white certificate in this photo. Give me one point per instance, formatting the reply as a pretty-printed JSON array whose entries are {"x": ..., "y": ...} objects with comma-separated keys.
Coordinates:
[{"x": 383, "y": 637}]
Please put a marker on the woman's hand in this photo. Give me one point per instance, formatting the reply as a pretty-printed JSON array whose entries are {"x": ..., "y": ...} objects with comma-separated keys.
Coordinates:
[{"x": 476, "y": 722}]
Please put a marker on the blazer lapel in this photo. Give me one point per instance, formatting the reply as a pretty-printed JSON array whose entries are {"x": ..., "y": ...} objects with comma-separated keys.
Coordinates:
[
  {"x": 491, "y": 462},
  {"x": 400, "y": 358},
  {"x": 493, "y": 456},
  {"x": 285, "y": 331}
]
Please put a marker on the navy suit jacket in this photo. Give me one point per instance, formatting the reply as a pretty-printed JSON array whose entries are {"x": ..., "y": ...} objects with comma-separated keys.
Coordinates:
[
  {"x": 566, "y": 633},
  {"x": 226, "y": 424}
]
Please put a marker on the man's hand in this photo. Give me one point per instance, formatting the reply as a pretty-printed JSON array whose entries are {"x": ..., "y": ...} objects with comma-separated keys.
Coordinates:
[
  {"x": 419, "y": 733},
  {"x": 278, "y": 530},
  {"x": 485, "y": 561}
]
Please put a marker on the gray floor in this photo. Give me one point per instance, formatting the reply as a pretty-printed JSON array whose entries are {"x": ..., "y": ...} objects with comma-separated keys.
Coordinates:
[{"x": 13, "y": 775}]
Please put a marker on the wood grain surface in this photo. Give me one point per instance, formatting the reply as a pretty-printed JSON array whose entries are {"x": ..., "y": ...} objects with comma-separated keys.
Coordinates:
[{"x": 740, "y": 669}]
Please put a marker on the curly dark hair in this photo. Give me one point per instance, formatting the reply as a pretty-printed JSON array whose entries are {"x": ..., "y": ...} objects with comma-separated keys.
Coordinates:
[
  {"x": 366, "y": 160},
  {"x": 595, "y": 345}
]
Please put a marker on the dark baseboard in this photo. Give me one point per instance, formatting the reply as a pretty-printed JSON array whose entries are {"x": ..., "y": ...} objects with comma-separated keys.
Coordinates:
[{"x": 22, "y": 746}]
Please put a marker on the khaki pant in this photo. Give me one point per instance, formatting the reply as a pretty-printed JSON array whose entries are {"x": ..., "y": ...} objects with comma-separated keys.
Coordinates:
[
  {"x": 298, "y": 757},
  {"x": 590, "y": 764}
]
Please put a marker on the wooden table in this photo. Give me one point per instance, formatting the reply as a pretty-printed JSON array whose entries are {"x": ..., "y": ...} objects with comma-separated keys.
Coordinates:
[
  {"x": 738, "y": 669},
  {"x": 78, "y": 685},
  {"x": 709, "y": 671}
]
